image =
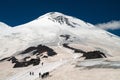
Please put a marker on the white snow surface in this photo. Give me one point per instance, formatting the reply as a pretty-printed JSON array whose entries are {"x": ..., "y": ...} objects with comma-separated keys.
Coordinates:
[
  {"x": 47, "y": 30},
  {"x": 47, "y": 67}
]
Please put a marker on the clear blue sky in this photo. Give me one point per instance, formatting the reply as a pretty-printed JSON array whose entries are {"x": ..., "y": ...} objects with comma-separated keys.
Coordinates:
[{"x": 16, "y": 12}]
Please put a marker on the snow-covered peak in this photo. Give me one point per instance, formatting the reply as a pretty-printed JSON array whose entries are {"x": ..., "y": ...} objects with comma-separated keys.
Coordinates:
[
  {"x": 52, "y": 14},
  {"x": 63, "y": 19},
  {"x": 56, "y": 17}
]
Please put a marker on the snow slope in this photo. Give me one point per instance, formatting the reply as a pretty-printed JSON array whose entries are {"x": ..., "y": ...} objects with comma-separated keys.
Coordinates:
[
  {"x": 47, "y": 30},
  {"x": 53, "y": 30},
  {"x": 48, "y": 67}
]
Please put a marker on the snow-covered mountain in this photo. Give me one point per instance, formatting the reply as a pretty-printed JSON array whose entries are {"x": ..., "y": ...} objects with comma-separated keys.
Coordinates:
[
  {"x": 55, "y": 39},
  {"x": 47, "y": 29}
]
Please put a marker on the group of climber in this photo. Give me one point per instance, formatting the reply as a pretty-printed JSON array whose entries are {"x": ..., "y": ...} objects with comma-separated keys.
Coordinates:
[{"x": 44, "y": 75}]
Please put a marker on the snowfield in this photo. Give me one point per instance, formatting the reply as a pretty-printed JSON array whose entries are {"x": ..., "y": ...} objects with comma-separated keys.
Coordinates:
[{"x": 47, "y": 67}]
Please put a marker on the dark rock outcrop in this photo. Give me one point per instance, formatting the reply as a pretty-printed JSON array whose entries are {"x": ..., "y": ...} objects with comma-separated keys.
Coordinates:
[
  {"x": 27, "y": 63},
  {"x": 38, "y": 50},
  {"x": 4, "y": 59},
  {"x": 75, "y": 50},
  {"x": 87, "y": 55},
  {"x": 65, "y": 36},
  {"x": 13, "y": 59},
  {"x": 28, "y": 50},
  {"x": 94, "y": 55}
]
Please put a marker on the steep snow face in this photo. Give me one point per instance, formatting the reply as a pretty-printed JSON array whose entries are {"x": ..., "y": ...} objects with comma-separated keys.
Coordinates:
[{"x": 47, "y": 30}]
